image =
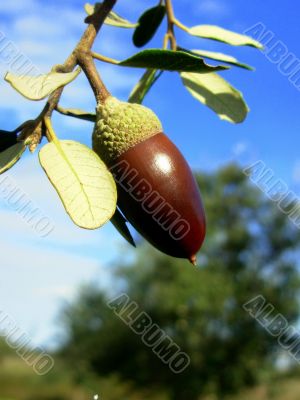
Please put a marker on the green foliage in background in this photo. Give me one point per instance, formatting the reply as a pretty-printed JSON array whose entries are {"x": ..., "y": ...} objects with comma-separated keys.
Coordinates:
[{"x": 251, "y": 250}]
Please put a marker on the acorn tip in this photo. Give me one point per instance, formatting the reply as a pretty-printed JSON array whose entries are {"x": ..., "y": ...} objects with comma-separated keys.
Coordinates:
[{"x": 193, "y": 260}]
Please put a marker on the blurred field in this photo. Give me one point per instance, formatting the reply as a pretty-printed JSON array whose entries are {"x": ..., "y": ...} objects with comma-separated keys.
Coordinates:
[{"x": 19, "y": 382}]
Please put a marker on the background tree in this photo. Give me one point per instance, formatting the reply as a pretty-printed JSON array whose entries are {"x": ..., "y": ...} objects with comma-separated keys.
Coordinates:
[{"x": 250, "y": 250}]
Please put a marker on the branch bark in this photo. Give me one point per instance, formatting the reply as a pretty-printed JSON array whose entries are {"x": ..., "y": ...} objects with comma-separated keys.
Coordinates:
[
  {"x": 170, "y": 36},
  {"x": 82, "y": 56}
]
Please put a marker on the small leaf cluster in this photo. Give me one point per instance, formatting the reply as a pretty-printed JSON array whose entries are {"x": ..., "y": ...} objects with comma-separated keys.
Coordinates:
[{"x": 197, "y": 75}]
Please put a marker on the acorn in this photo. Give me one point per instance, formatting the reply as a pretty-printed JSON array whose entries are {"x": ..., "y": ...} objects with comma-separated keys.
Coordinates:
[{"x": 157, "y": 191}]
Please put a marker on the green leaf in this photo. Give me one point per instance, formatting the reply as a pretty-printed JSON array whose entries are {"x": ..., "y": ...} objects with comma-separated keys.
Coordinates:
[
  {"x": 7, "y": 139},
  {"x": 115, "y": 20},
  {"x": 76, "y": 113},
  {"x": 219, "y": 57},
  {"x": 11, "y": 155},
  {"x": 143, "y": 86},
  {"x": 216, "y": 93},
  {"x": 90, "y": 8},
  {"x": 112, "y": 19},
  {"x": 41, "y": 86},
  {"x": 169, "y": 60},
  {"x": 119, "y": 223},
  {"x": 223, "y": 35},
  {"x": 82, "y": 181},
  {"x": 148, "y": 24}
]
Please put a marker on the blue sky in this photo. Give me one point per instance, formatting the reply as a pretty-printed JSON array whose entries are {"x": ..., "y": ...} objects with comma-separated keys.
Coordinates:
[{"x": 39, "y": 274}]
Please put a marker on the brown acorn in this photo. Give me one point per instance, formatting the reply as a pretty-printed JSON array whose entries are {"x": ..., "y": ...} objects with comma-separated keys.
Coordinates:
[{"x": 157, "y": 191}]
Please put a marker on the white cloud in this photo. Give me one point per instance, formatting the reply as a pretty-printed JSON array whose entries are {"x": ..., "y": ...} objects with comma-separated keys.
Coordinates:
[
  {"x": 17, "y": 6},
  {"x": 240, "y": 148},
  {"x": 36, "y": 280},
  {"x": 35, "y": 48},
  {"x": 33, "y": 25},
  {"x": 135, "y": 7},
  {"x": 13, "y": 101},
  {"x": 213, "y": 8},
  {"x": 66, "y": 292},
  {"x": 118, "y": 79},
  {"x": 296, "y": 172}
]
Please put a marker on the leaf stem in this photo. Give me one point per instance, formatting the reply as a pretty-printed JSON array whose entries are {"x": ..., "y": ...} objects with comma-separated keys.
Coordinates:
[
  {"x": 166, "y": 41},
  {"x": 171, "y": 19},
  {"x": 170, "y": 11},
  {"x": 80, "y": 114},
  {"x": 50, "y": 134},
  {"x": 101, "y": 57},
  {"x": 180, "y": 25}
]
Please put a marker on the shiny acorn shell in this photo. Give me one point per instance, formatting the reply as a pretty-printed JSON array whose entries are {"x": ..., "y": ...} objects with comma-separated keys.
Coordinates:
[{"x": 159, "y": 196}]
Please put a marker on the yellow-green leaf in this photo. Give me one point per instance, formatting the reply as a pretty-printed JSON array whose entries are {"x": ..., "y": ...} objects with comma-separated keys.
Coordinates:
[
  {"x": 82, "y": 181},
  {"x": 212, "y": 55},
  {"x": 112, "y": 19},
  {"x": 90, "y": 8},
  {"x": 76, "y": 113},
  {"x": 41, "y": 86},
  {"x": 143, "y": 86},
  {"x": 216, "y": 93},
  {"x": 10, "y": 156},
  {"x": 224, "y": 35}
]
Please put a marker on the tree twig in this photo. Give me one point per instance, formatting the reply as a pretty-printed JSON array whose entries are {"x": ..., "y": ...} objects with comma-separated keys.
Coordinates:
[
  {"x": 81, "y": 55},
  {"x": 171, "y": 21},
  {"x": 101, "y": 57}
]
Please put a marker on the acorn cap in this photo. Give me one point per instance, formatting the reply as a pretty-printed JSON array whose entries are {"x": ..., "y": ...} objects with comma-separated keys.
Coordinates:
[{"x": 120, "y": 126}]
